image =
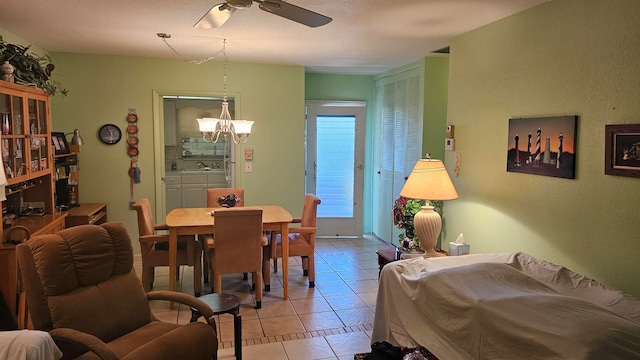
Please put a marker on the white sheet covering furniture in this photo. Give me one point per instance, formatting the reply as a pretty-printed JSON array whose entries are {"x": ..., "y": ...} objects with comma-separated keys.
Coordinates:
[
  {"x": 503, "y": 306},
  {"x": 28, "y": 345}
]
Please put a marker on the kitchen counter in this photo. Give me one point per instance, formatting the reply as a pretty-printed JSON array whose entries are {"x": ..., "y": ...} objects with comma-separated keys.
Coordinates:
[{"x": 193, "y": 171}]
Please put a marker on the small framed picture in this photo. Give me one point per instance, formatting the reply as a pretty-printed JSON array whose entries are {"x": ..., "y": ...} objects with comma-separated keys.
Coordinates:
[
  {"x": 59, "y": 143},
  {"x": 622, "y": 150}
]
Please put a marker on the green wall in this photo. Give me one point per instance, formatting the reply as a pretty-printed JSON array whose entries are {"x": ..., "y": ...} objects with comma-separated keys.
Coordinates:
[
  {"x": 103, "y": 88},
  {"x": 565, "y": 57},
  {"x": 436, "y": 80},
  {"x": 349, "y": 88}
]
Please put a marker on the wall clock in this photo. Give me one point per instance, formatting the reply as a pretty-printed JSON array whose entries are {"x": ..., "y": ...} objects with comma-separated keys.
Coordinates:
[{"x": 110, "y": 134}]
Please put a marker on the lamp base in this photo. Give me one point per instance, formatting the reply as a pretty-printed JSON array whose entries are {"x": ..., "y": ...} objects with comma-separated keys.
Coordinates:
[{"x": 427, "y": 224}]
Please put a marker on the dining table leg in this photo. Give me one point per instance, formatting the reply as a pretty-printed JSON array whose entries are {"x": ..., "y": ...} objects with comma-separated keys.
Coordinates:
[
  {"x": 284, "y": 231},
  {"x": 173, "y": 260}
]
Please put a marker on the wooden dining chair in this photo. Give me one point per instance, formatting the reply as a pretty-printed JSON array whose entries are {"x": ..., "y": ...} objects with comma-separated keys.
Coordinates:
[
  {"x": 213, "y": 194},
  {"x": 302, "y": 242},
  {"x": 154, "y": 248},
  {"x": 236, "y": 246}
]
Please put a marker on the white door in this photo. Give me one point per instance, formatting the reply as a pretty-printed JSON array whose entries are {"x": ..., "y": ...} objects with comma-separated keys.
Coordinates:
[
  {"x": 397, "y": 144},
  {"x": 335, "y": 164}
]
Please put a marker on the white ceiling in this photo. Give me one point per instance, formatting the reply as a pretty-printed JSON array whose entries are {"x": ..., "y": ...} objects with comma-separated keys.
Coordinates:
[{"x": 365, "y": 36}]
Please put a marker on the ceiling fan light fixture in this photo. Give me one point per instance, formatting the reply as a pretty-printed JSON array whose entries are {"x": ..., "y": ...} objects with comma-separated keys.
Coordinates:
[
  {"x": 240, "y": 4},
  {"x": 269, "y": 6},
  {"x": 216, "y": 17}
]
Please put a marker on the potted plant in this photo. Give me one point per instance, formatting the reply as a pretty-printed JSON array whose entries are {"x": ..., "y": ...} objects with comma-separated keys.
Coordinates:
[
  {"x": 403, "y": 211},
  {"x": 30, "y": 69}
]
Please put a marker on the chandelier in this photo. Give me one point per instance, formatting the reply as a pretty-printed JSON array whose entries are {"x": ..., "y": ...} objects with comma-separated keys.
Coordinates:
[{"x": 213, "y": 129}]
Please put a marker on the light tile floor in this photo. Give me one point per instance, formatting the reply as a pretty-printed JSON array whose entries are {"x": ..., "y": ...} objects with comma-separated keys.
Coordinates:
[{"x": 331, "y": 321}]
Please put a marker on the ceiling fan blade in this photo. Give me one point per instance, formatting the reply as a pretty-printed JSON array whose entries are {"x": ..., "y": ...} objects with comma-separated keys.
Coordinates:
[
  {"x": 215, "y": 17},
  {"x": 295, "y": 13}
]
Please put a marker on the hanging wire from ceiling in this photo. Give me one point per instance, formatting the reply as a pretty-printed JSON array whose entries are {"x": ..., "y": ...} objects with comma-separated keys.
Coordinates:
[
  {"x": 222, "y": 128},
  {"x": 174, "y": 52}
]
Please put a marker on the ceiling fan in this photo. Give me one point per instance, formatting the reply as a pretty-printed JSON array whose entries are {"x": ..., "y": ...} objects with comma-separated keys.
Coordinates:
[{"x": 220, "y": 13}]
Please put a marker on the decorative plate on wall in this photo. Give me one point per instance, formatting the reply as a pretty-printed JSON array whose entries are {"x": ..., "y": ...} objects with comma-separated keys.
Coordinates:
[{"x": 110, "y": 134}]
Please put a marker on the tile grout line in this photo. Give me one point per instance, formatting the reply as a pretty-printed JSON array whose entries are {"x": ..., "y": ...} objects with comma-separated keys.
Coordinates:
[{"x": 297, "y": 336}]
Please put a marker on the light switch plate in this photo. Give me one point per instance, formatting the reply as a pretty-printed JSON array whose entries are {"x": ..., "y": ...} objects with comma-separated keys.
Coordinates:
[
  {"x": 450, "y": 144},
  {"x": 248, "y": 167}
]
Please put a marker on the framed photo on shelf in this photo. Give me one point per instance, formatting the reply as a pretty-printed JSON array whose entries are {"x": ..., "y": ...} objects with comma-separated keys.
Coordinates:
[
  {"x": 622, "y": 150},
  {"x": 59, "y": 143}
]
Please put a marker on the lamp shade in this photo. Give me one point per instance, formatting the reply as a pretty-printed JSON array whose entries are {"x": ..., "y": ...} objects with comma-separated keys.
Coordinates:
[
  {"x": 242, "y": 126},
  {"x": 76, "y": 139},
  {"x": 429, "y": 180},
  {"x": 207, "y": 124}
]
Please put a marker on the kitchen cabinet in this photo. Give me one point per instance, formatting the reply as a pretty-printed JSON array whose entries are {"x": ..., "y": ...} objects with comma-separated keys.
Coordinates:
[
  {"x": 190, "y": 190},
  {"x": 173, "y": 191},
  {"x": 194, "y": 190}
]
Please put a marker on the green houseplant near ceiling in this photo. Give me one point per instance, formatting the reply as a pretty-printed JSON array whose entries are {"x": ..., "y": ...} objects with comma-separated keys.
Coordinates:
[{"x": 30, "y": 69}]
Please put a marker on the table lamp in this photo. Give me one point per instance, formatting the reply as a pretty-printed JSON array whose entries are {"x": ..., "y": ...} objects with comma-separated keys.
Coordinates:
[
  {"x": 76, "y": 141},
  {"x": 428, "y": 180}
]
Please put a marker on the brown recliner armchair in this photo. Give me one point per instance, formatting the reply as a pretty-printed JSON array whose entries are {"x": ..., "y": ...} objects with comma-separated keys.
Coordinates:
[
  {"x": 82, "y": 289},
  {"x": 302, "y": 242},
  {"x": 154, "y": 248}
]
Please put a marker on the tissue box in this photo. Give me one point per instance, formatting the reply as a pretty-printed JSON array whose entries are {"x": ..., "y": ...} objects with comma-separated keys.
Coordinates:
[{"x": 458, "y": 249}]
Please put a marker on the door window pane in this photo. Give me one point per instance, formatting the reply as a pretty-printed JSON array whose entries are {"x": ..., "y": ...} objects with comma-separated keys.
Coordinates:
[{"x": 335, "y": 166}]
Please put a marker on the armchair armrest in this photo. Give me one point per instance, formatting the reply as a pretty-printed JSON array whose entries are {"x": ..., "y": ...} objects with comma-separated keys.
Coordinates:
[
  {"x": 185, "y": 299},
  {"x": 303, "y": 230},
  {"x": 89, "y": 341},
  {"x": 160, "y": 227},
  {"x": 154, "y": 238}
]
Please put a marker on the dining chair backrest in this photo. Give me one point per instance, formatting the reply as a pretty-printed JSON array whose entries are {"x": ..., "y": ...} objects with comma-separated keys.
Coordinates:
[
  {"x": 238, "y": 239},
  {"x": 310, "y": 211},
  {"x": 154, "y": 247},
  {"x": 145, "y": 217},
  {"x": 214, "y": 193}
]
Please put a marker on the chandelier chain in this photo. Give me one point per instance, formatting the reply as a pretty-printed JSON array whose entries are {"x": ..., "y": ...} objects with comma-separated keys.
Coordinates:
[{"x": 224, "y": 68}]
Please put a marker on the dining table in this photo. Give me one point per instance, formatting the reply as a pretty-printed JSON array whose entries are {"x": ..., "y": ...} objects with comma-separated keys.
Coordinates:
[{"x": 196, "y": 221}]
